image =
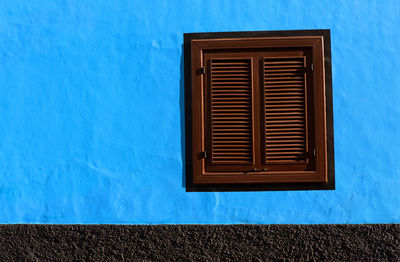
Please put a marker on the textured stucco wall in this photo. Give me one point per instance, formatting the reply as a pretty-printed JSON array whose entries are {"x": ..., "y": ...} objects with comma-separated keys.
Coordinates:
[{"x": 91, "y": 112}]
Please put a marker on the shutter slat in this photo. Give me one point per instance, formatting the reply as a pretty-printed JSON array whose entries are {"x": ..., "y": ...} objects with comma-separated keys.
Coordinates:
[
  {"x": 292, "y": 62},
  {"x": 290, "y": 149},
  {"x": 288, "y": 137},
  {"x": 272, "y": 82},
  {"x": 274, "y": 93},
  {"x": 287, "y": 107},
  {"x": 284, "y": 78},
  {"x": 217, "y": 154},
  {"x": 271, "y": 87},
  {"x": 282, "y": 70},
  {"x": 284, "y": 113},
  {"x": 274, "y": 74},
  {"x": 223, "y": 147},
  {"x": 289, "y": 66},
  {"x": 282, "y": 147},
  {"x": 219, "y": 133},
  {"x": 227, "y": 71},
  {"x": 285, "y": 97},
  {"x": 231, "y": 128},
  {"x": 237, "y": 111},
  {"x": 231, "y": 99},
  {"x": 283, "y": 141},
  {"x": 270, "y": 90},
  {"x": 287, "y": 158},
  {"x": 237, "y": 83},
  {"x": 220, "y": 112},
  {"x": 231, "y": 111},
  {"x": 286, "y": 126},
  {"x": 285, "y": 119},
  {"x": 293, "y": 102},
  {"x": 230, "y": 79},
  {"x": 283, "y": 130},
  {"x": 284, "y": 133},
  {"x": 229, "y": 76}
]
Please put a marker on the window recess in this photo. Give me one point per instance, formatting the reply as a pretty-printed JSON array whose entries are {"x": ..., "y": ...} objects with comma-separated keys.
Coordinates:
[{"x": 258, "y": 111}]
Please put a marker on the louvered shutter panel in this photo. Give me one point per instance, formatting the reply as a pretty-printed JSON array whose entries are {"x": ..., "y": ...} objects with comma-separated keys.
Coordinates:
[
  {"x": 285, "y": 101},
  {"x": 230, "y": 142}
]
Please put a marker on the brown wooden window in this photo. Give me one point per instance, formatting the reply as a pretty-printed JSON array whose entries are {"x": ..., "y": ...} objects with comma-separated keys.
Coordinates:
[{"x": 258, "y": 111}]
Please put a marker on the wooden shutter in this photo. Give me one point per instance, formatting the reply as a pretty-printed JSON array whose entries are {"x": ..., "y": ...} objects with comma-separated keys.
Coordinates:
[
  {"x": 257, "y": 110},
  {"x": 285, "y": 110},
  {"x": 230, "y": 140}
]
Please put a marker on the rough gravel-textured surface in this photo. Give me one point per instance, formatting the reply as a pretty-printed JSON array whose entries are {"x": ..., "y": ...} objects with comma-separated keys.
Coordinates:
[{"x": 205, "y": 243}]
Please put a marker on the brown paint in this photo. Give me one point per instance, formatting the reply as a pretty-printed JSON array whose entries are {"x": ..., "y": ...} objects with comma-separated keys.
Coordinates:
[{"x": 241, "y": 168}]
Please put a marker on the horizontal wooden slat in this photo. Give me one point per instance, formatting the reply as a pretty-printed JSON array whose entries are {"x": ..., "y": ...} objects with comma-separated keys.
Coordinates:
[
  {"x": 286, "y": 145},
  {"x": 288, "y": 137},
  {"x": 295, "y": 73},
  {"x": 283, "y": 113},
  {"x": 230, "y": 99},
  {"x": 230, "y": 76},
  {"x": 273, "y": 98},
  {"x": 270, "y": 87},
  {"x": 284, "y": 149},
  {"x": 284, "y": 129},
  {"x": 295, "y": 157},
  {"x": 231, "y": 79},
  {"x": 231, "y": 146},
  {"x": 226, "y": 133},
  {"x": 227, "y": 71},
  {"x": 273, "y": 94},
  {"x": 284, "y": 108},
  {"x": 272, "y": 82},
  {"x": 231, "y": 154},
  {"x": 228, "y": 63},
  {"x": 288, "y": 132},
  {"x": 229, "y": 82},
  {"x": 299, "y": 141},
  {"x": 284, "y": 122},
  {"x": 230, "y": 127},
  {"x": 279, "y": 90},
  {"x": 276, "y": 78},
  {"x": 230, "y": 104},
  {"x": 233, "y": 114},
  {"x": 233, "y": 96},
  {"x": 291, "y": 62},
  {"x": 231, "y": 111},
  {"x": 288, "y": 100},
  {"x": 281, "y": 70},
  {"x": 284, "y": 118},
  {"x": 268, "y": 66},
  {"x": 291, "y": 125}
]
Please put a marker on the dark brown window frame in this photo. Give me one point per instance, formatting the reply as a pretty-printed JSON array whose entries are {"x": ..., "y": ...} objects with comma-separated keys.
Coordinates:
[{"x": 196, "y": 180}]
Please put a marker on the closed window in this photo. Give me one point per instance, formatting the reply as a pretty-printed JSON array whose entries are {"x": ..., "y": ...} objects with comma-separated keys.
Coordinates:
[{"x": 258, "y": 111}]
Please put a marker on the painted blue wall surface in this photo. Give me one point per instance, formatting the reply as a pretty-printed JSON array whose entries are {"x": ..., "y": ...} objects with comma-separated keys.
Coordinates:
[{"x": 91, "y": 112}]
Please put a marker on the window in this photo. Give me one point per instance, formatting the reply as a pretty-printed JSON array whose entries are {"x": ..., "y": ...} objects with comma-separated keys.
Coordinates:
[{"x": 258, "y": 111}]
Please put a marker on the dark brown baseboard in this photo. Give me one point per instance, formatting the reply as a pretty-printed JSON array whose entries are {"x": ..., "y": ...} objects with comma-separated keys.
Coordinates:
[{"x": 371, "y": 242}]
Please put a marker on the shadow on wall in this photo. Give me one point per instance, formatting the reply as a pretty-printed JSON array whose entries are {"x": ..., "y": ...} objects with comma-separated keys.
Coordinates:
[{"x": 182, "y": 114}]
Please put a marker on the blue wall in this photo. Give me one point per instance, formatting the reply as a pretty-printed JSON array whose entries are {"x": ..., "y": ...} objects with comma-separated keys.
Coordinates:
[{"x": 91, "y": 112}]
